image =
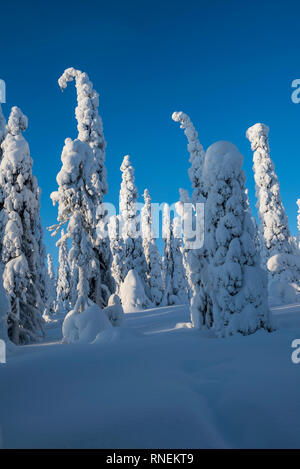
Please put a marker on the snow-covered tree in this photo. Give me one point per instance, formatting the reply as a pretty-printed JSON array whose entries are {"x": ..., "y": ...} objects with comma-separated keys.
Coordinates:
[
  {"x": 272, "y": 215},
  {"x": 90, "y": 131},
  {"x": 118, "y": 251},
  {"x": 196, "y": 152},
  {"x": 194, "y": 259},
  {"x": 234, "y": 280},
  {"x": 76, "y": 208},
  {"x": 174, "y": 274},
  {"x": 63, "y": 288},
  {"x": 152, "y": 255},
  {"x": 51, "y": 285},
  {"x": 278, "y": 246},
  {"x": 20, "y": 250},
  {"x": 134, "y": 257}
]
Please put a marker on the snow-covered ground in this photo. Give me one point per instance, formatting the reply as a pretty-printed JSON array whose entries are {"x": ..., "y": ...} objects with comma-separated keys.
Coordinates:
[{"x": 155, "y": 383}]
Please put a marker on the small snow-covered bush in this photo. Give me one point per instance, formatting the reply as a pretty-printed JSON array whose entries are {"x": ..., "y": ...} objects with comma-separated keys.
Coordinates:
[
  {"x": 85, "y": 326},
  {"x": 114, "y": 310},
  {"x": 132, "y": 293}
]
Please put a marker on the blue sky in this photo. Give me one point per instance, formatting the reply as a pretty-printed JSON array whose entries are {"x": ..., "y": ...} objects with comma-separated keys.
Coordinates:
[{"x": 228, "y": 64}]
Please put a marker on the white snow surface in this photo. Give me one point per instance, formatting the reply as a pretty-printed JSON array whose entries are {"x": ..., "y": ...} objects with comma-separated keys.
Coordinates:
[{"x": 155, "y": 383}]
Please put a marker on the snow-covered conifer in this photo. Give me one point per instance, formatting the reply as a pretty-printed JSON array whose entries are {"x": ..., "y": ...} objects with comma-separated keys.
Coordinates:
[
  {"x": 152, "y": 255},
  {"x": 52, "y": 284},
  {"x": 272, "y": 215},
  {"x": 235, "y": 282},
  {"x": 275, "y": 234},
  {"x": 174, "y": 274},
  {"x": 90, "y": 131},
  {"x": 63, "y": 288},
  {"x": 20, "y": 199},
  {"x": 118, "y": 251},
  {"x": 134, "y": 257},
  {"x": 75, "y": 207},
  {"x": 196, "y": 152},
  {"x": 194, "y": 259}
]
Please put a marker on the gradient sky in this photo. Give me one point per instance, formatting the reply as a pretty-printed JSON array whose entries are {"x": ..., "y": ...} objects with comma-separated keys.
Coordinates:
[{"x": 228, "y": 64}]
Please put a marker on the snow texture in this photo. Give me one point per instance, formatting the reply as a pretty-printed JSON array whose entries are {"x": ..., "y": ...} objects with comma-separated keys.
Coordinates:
[{"x": 192, "y": 389}]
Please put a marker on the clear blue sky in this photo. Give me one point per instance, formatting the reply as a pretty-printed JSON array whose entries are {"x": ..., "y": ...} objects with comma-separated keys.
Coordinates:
[{"x": 228, "y": 64}]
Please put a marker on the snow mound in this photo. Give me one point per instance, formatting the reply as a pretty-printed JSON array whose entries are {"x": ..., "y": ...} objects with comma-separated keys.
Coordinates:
[
  {"x": 114, "y": 310},
  {"x": 132, "y": 293},
  {"x": 84, "y": 327},
  {"x": 114, "y": 335}
]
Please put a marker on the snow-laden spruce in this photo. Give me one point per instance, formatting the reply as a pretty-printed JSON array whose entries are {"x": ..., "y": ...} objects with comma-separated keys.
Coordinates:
[
  {"x": 20, "y": 250},
  {"x": 175, "y": 284},
  {"x": 51, "y": 285},
  {"x": 90, "y": 131},
  {"x": 152, "y": 255},
  {"x": 63, "y": 287},
  {"x": 134, "y": 257},
  {"x": 194, "y": 259},
  {"x": 196, "y": 152},
  {"x": 273, "y": 218},
  {"x": 275, "y": 233},
  {"x": 76, "y": 209},
  {"x": 234, "y": 281},
  {"x": 117, "y": 250}
]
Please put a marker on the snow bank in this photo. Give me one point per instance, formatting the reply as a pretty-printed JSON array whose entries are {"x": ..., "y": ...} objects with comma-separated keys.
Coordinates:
[
  {"x": 114, "y": 335},
  {"x": 84, "y": 327},
  {"x": 132, "y": 293}
]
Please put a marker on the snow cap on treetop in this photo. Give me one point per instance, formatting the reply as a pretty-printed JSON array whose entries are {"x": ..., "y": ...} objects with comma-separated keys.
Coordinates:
[
  {"x": 126, "y": 163},
  {"x": 255, "y": 133},
  {"x": 17, "y": 121},
  {"x": 222, "y": 159}
]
